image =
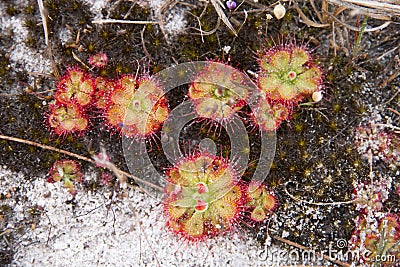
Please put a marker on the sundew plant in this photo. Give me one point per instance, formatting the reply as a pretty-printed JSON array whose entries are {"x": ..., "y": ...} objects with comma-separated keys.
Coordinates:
[{"x": 187, "y": 132}]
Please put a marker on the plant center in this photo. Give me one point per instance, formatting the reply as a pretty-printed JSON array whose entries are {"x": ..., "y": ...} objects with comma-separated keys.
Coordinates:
[
  {"x": 202, "y": 188},
  {"x": 291, "y": 75},
  {"x": 219, "y": 92},
  {"x": 201, "y": 206},
  {"x": 136, "y": 104}
]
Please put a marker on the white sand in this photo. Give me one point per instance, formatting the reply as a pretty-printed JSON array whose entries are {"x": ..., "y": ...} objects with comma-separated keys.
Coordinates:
[{"x": 94, "y": 235}]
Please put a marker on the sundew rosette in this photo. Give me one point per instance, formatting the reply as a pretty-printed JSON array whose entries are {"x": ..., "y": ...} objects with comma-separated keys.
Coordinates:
[
  {"x": 203, "y": 197},
  {"x": 260, "y": 201},
  {"x": 76, "y": 86},
  {"x": 218, "y": 92},
  {"x": 66, "y": 119},
  {"x": 67, "y": 171},
  {"x": 103, "y": 87},
  {"x": 136, "y": 108},
  {"x": 268, "y": 115},
  {"x": 288, "y": 73}
]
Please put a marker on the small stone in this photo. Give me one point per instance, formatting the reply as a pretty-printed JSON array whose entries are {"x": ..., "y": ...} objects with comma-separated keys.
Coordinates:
[
  {"x": 317, "y": 96},
  {"x": 279, "y": 11},
  {"x": 226, "y": 49}
]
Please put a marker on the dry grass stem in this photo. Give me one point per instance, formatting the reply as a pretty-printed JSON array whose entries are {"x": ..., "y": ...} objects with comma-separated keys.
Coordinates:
[
  {"x": 307, "y": 20},
  {"x": 106, "y": 21},
  {"x": 43, "y": 15},
  {"x": 143, "y": 232},
  {"x": 61, "y": 151},
  {"x": 222, "y": 15},
  {"x": 318, "y": 203},
  {"x": 146, "y": 52},
  {"x": 79, "y": 60},
  {"x": 379, "y": 9}
]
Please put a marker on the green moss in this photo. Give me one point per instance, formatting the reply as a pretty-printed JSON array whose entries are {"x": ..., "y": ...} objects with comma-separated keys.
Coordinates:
[
  {"x": 190, "y": 53},
  {"x": 31, "y": 42},
  {"x": 30, "y": 9},
  {"x": 336, "y": 108},
  {"x": 355, "y": 88},
  {"x": 11, "y": 10},
  {"x": 299, "y": 127},
  {"x": 75, "y": 5},
  {"x": 309, "y": 140},
  {"x": 69, "y": 139},
  {"x": 30, "y": 23},
  {"x": 302, "y": 143},
  {"x": 105, "y": 34},
  {"x": 6, "y": 210},
  {"x": 51, "y": 5},
  {"x": 103, "y": 73},
  {"x": 91, "y": 48},
  {"x": 333, "y": 125}
]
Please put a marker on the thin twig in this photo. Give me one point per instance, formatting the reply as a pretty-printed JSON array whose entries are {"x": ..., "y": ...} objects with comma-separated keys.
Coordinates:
[
  {"x": 375, "y": 4},
  {"x": 222, "y": 15},
  {"x": 318, "y": 203},
  {"x": 371, "y": 173},
  {"x": 316, "y": 11},
  {"x": 79, "y": 60},
  {"x": 291, "y": 243},
  {"x": 377, "y": 9},
  {"x": 244, "y": 21},
  {"x": 129, "y": 11},
  {"x": 144, "y": 45},
  {"x": 50, "y": 228},
  {"x": 203, "y": 33},
  {"x": 6, "y": 232},
  {"x": 334, "y": 39},
  {"x": 43, "y": 15},
  {"x": 307, "y": 20},
  {"x": 31, "y": 143},
  {"x": 393, "y": 97},
  {"x": 390, "y": 126},
  {"x": 34, "y": 73},
  {"x": 105, "y": 21},
  {"x": 358, "y": 29},
  {"x": 142, "y": 231},
  {"x": 391, "y": 78},
  {"x": 43, "y": 92},
  {"x": 9, "y": 95},
  {"x": 388, "y": 52},
  {"x": 61, "y": 151},
  {"x": 394, "y": 111}
]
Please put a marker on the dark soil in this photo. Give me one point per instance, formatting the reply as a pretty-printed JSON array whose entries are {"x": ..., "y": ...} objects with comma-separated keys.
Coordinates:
[{"x": 315, "y": 154}]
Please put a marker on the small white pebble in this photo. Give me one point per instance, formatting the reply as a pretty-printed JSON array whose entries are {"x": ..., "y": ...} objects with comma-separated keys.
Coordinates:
[
  {"x": 252, "y": 73},
  {"x": 226, "y": 49},
  {"x": 317, "y": 96},
  {"x": 279, "y": 11},
  {"x": 285, "y": 234}
]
